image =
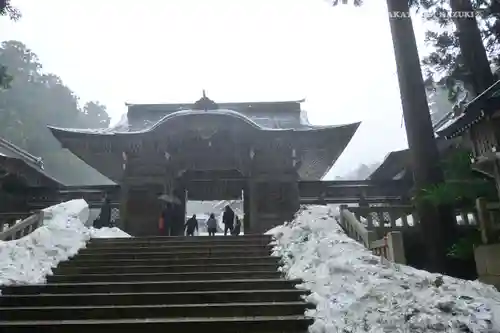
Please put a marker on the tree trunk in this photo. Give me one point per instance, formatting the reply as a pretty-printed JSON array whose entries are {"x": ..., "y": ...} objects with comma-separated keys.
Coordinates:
[
  {"x": 437, "y": 224},
  {"x": 471, "y": 46}
]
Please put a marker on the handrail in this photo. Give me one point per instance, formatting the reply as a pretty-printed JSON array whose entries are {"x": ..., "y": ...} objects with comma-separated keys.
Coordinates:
[
  {"x": 7, "y": 220},
  {"x": 23, "y": 228},
  {"x": 347, "y": 199},
  {"x": 384, "y": 219},
  {"x": 390, "y": 246},
  {"x": 355, "y": 228},
  {"x": 13, "y": 214}
]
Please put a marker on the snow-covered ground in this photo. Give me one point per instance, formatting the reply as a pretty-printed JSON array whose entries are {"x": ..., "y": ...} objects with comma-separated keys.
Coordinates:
[
  {"x": 108, "y": 233},
  {"x": 355, "y": 292},
  {"x": 30, "y": 259}
]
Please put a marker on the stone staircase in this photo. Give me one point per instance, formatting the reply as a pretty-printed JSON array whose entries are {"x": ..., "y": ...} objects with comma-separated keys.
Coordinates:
[{"x": 168, "y": 284}]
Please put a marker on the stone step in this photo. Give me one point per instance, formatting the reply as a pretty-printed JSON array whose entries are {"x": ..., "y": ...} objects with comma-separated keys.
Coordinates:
[
  {"x": 250, "y": 267},
  {"x": 154, "y": 311},
  {"x": 270, "y": 324},
  {"x": 152, "y": 298},
  {"x": 182, "y": 239},
  {"x": 134, "y": 242},
  {"x": 171, "y": 255},
  {"x": 88, "y": 262},
  {"x": 193, "y": 276},
  {"x": 210, "y": 248},
  {"x": 151, "y": 286}
]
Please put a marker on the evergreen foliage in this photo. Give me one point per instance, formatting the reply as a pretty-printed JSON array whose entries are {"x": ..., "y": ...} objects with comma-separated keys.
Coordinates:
[
  {"x": 36, "y": 99},
  {"x": 463, "y": 185},
  {"x": 461, "y": 189},
  {"x": 446, "y": 64}
]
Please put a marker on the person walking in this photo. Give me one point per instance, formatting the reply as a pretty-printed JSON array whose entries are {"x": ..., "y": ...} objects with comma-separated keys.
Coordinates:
[
  {"x": 228, "y": 220},
  {"x": 237, "y": 226},
  {"x": 104, "y": 218},
  {"x": 211, "y": 225},
  {"x": 191, "y": 225}
]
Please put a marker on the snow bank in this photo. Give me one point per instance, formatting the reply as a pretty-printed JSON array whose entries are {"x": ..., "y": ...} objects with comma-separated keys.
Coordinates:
[
  {"x": 29, "y": 259},
  {"x": 355, "y": 292},
  {"x": 108, "y": 233}
]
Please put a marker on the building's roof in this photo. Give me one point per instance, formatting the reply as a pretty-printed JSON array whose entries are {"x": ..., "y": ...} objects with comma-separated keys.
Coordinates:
[
  {"x": 270, "y": 118},
  {"x": 443, "y": 122},
  {"x": 27, "y": 165},
  {"x": 398, "y": 161},
  {"x": 393, "y": 163},
  {"x": 481, "y": 106},
  {"x": 267, "y": 115},
  {"x": 277, "y": 106}
]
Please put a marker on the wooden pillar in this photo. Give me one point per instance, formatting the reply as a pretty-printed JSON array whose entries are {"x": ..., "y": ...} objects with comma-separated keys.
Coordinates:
[
  {"x": 179, "y": 211},
  {"x": 253, "y": 211},
  {"x": 124, "y": 187},
  {"x": 246, "y": 209},
  {"x": 496, "y": 174},
  {"x": 143, "y": 209},
  {"x": 123, "y": 223},
  {"x": 272, "y": 202}
]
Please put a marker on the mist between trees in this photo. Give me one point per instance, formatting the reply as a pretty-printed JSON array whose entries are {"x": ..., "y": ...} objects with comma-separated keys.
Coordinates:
[{"x": 33, "y": 99}]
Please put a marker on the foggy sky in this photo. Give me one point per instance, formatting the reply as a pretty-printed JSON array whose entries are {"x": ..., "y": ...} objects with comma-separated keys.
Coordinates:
[{"x": 151, "y": 51}]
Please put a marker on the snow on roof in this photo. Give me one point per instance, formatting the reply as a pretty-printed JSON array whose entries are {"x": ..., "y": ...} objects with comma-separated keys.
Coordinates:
[
  {"x": 144, "y": 124},
  {"x": 180, "y": 105},
  {"x": 475, "y": 110},
  {"x": 444, "y": 122},
  {"x": 355, "y": 292},
  {"x": 28, "y": 161},
  {"x": 9, "y": 149},
  {"x": 449, "y": 122}
]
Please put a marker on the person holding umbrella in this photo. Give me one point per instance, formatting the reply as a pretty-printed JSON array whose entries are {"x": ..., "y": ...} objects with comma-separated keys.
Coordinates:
[{"x": 167, "y": 217}]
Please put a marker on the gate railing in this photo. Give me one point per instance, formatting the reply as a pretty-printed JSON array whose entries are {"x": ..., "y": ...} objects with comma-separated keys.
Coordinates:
[
  {"x": 389, "y": 246},
  {"x": 21, "y": 228}
]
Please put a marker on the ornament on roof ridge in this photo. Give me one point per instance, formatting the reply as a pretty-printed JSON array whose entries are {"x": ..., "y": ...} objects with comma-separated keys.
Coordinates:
[{"x": 205, "y": 103}]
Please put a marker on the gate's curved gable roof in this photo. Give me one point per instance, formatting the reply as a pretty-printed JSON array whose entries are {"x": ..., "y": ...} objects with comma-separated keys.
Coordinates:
[{"x": 321, "y": 145}]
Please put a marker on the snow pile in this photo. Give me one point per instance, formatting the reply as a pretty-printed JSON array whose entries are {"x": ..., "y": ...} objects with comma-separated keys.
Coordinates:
[
  {"x": 29, "y": 259},
  {"x": 355, "y": 292},
  {"x": 108, "y": 233}
]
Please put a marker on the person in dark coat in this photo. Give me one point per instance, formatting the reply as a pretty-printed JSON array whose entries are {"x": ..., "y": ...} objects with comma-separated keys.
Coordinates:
[
  {"x": 191, "y": 225},
  {"x": 237, "y": 226},
  {"x": 104, "y": 218},
  {"x": 228, "y": 220},
  {"x": 211, "y": 225},
  {"x": 166, "y": 215}
]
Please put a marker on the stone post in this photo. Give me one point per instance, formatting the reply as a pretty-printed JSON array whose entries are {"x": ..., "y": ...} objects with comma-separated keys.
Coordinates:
[
  {"x": 485, "y": 224},
  {"x": 395, "y": 247}
]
